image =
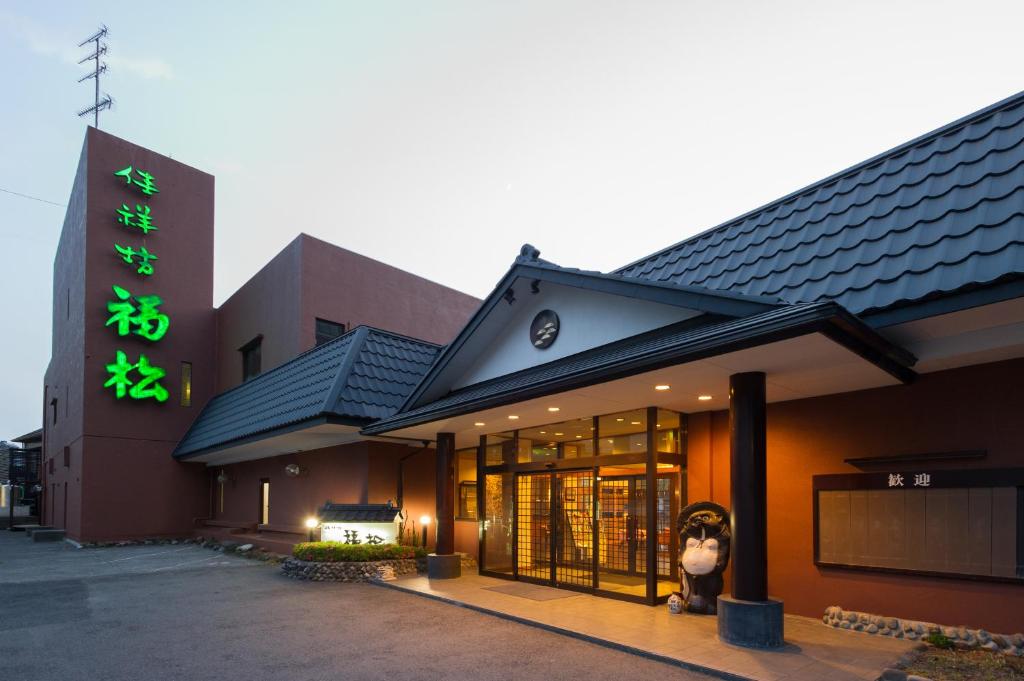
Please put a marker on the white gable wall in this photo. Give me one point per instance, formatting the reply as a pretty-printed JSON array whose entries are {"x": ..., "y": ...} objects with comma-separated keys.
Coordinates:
[{"x": 587, "y": 319}]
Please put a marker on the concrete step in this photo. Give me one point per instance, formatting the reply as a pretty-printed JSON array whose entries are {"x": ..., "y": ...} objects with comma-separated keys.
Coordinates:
[
  {"x": 24, "y": 527},
  {"x": 47, "y": 535},
  {"x": 29, "y": 529}
]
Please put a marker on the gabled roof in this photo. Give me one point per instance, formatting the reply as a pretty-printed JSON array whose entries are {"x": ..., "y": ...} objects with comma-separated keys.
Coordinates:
[
  {"x": 529, "y": 266},
  {"x": 676, "y": 344},
  {"x": 942, "y": 213},
  {"x": 359, "y": 377}
]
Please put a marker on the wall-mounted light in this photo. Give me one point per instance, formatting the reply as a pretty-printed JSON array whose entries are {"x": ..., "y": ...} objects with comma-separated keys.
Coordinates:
[
  {"x": 222, "y": 477},
  {"x": 292, "y": 470}
]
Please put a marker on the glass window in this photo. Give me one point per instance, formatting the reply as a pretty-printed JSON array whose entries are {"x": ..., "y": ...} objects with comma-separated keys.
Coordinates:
[
  {"x": 465, "y": 484},
  {"x": 497, "y": 523},
  {"x": 567, "y": 440},
  {"x": 186, "y": 384},
  {"x": 666, "y": 438},
  {"x": 251, "y": 360},
  {"x": 499, "y": 449},
  {"x": 623, "y": 433},
  {"x": 326, "y": 331}
]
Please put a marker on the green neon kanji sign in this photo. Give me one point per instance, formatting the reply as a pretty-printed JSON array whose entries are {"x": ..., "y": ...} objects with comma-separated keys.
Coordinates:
[
  {"x": 139, "y": 257},
  {"x": 140, "y": 313},
  {"x": 146, "y": 387},
  {"x": 140, "y": 219},
  {"x": 140, "y": 178}
]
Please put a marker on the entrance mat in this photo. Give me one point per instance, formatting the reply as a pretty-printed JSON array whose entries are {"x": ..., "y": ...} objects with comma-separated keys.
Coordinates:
[{"x": 531, "y": 591}]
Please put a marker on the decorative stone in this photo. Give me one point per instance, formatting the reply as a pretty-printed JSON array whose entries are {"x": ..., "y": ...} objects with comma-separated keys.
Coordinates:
[
  {"x": 919, "y": 629},
  {"x": 243, "y": 548},
  {"x": 984, "y": 636},
  {"x": 845, "y": 624},
  {"x": 1017, "y": 640},
  {"x": 872, "y": 628},
  {"x": 893, "y": 675},
  {"x": 344, "y": 571},
  {"x": 878, "y": 621},
  {"x": 851, "y": 617},
  {"x": 951, "y": 633},
  {"x": 675, "y": 605},
  {"x": 892, "y": 623},
  {"x": 991, "y": 646}
]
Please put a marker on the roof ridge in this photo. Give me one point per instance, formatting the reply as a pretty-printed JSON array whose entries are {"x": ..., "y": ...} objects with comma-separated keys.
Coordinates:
[
  {"x": 355, "y": 348},
  {"x": 1010, "y": 102},
  {"x": 395, "y": 334}
]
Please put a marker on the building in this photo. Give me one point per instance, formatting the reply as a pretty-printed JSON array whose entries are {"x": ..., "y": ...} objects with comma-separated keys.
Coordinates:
[
  {"x": 839, "y": 368},
  {"x": 139, "y": 348}
]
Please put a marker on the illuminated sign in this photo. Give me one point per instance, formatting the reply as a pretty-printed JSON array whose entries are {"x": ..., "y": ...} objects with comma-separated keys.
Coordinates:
[
  {"x": 137, "y": 315},
  {"x": 360, "y": 533}
]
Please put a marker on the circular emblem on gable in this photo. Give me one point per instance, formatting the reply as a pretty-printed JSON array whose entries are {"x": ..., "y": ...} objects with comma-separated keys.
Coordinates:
[{"x": 544, "y": 329}]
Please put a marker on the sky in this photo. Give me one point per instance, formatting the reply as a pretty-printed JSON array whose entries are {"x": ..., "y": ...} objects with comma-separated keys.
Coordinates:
[{"x": 440, "y": 136}]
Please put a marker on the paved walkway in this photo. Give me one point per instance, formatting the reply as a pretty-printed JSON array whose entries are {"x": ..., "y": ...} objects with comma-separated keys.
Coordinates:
[{"x": 813, "y": 652}]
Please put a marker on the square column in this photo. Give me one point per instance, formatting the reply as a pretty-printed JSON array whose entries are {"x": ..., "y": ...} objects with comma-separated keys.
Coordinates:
[{"x": 747, "y": 616}]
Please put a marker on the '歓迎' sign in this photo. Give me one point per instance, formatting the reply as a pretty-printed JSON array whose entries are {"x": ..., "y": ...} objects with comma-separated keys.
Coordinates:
[{"x": 136, "y": 316}]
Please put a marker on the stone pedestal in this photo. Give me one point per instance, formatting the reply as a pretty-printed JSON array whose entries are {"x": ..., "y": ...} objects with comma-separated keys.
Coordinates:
[
  {"x": 753, "y": 624},
  {"x": 444, "y": 566}
]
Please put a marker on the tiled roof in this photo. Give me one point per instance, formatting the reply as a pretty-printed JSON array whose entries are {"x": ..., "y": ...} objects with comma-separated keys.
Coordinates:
[
  {"x": 937, "y": 214},
  {"x": 367, "y": 513},
  {"x": 361, "y": 376},
  {"x": 682, "y": 342}
]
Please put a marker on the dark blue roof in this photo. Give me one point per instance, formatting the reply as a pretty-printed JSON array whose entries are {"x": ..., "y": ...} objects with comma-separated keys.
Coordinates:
[
  {"x": 367, "y": 513},
  {"x": 359, "y": 377},
  {"x": 674, "y": 344},
  {"x": 941, "y": 213}
]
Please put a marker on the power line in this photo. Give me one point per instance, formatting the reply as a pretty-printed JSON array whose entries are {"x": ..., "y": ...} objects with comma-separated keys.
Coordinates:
[{"x": 34, "y": 198}]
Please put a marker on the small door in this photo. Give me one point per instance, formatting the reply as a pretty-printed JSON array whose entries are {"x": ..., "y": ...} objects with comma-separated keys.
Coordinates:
[{"x": 264, "y": 502}]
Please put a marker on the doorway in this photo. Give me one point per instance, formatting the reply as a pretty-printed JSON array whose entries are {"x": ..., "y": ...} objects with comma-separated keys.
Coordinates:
[
  {"x": 558, "y": 543},
  {"x": 264, "y": 513}
]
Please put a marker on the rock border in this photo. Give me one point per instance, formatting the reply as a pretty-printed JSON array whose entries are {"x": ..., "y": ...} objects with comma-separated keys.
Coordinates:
[
  {"x": 914, "y": 630},
  {"x": 341, "y": 571}
]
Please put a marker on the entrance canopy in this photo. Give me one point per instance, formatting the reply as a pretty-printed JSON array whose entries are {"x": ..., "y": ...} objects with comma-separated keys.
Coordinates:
[{"x": 805, "y": 350}]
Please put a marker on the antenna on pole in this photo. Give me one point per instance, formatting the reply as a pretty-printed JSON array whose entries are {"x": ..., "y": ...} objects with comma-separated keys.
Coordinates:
[{"x": 100, "y": 50}]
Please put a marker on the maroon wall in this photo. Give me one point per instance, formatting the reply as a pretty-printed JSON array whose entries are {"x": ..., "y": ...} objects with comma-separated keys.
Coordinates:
[
  {"x": 311, "y": 278},
  {"x": 123, "y": 481},
  {"x": 359, "y": 473},
  {"x": 974, "y": 408}
]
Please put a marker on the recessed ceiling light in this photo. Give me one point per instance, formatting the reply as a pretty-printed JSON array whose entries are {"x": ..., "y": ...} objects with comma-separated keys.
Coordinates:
[
  {"x": 662, "y": 386},
  {"x": 579, "y": 436},
  {"x": 634, "y": 423},
  {"x": 512, "y": 417},
  {"x": 479, "y": 423},
  {"x": 543, "y": 432},
  {"x": 553, "y": 409},
  {"x": 620, "y": 419},
  {"x": 557, "y": 434},
  {"x": 703, "y": 398}
]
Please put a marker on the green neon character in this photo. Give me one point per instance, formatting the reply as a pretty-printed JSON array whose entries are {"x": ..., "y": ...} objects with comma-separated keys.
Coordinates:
[
  {"x": 119, "y": 375},
  {"x": 128, "y": 254},
  {"x": 148, "y": 386},
  {"x": 151, "y": 323},
  {"x": 143, "y": 181},
  {"x": 140, "y": 219}
]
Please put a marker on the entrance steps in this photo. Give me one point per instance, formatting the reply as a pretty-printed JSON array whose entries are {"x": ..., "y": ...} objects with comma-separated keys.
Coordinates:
[
  {"x": 276, "y": 539},
  {"x": 47, "y": 534}
]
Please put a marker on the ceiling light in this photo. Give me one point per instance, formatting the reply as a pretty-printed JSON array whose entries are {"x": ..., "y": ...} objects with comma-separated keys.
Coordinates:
[
  {"x": 543, "y": 432},
  {"x": 634, "y": 423},
  {"x": 620, "y": 419},
  {"x": 662, "y": 386},
  {"x": 703, "y": 398},
  {"x": 557, "y": 434},
  {"x": 479, "y": 423},
  {"x": 579, "y": 436},
  {"x": 512, "y": 417},
  {"x": 553, "y": 409}
]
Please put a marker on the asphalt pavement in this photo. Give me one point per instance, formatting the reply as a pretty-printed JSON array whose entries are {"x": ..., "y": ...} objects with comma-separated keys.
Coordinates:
[{"x": 184, "y": 612}]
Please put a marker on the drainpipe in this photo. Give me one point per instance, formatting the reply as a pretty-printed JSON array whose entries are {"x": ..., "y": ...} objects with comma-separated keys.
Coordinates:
[{"x": 400, "y": 496}]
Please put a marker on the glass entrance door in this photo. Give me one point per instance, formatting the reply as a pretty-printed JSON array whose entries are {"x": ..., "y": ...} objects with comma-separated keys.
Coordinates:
[{"x": 555, "y": 528}]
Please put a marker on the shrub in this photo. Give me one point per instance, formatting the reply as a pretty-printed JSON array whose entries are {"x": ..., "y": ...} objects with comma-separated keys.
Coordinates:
[
  {"x": 939, "y": 641},
  {"x": 337, "y": 552}
]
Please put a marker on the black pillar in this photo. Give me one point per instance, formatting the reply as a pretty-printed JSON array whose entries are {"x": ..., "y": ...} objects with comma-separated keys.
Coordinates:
[
  {"x": 651, "y": 506},
  {"x": 749, "y": 487},
  {"x": 445, "y": 491}
]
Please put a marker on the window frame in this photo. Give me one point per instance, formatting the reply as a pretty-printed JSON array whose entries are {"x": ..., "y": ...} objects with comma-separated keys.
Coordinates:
[
  {"x": 256, "y": 344},
  {"x": 341, "y": 327}
]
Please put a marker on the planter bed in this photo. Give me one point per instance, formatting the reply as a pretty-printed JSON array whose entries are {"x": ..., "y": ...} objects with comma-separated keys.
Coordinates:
[{"x": 345, "y": 571}]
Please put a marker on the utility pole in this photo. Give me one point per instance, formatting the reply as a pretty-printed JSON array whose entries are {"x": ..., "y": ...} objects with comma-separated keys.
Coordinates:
[{"x": 100, "y": 50}]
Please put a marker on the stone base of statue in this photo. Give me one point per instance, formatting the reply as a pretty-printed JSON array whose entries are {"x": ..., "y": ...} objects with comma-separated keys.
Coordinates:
[{"x": 752, "y": 624}]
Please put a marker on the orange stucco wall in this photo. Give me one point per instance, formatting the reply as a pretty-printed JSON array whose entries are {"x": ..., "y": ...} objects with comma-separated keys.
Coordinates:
[{"x": 973, "y": 408}]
